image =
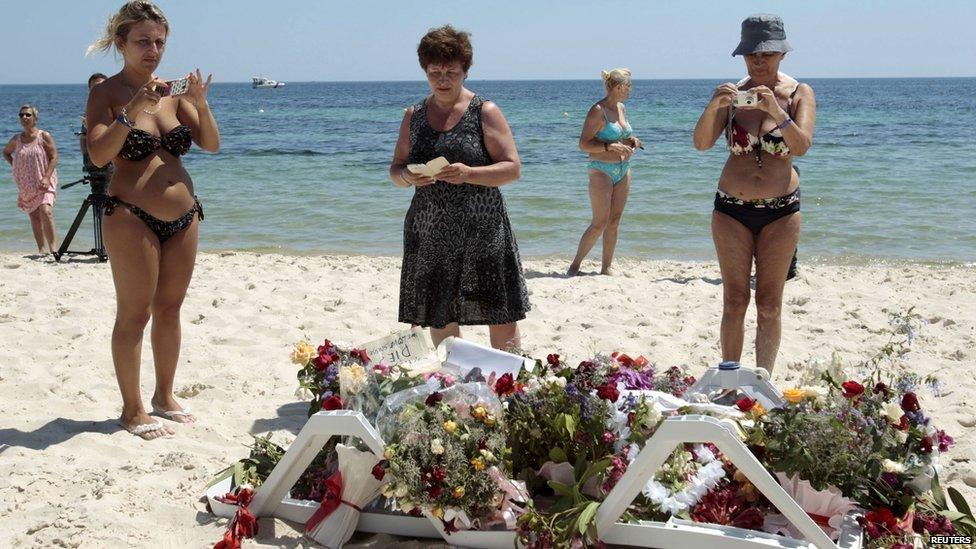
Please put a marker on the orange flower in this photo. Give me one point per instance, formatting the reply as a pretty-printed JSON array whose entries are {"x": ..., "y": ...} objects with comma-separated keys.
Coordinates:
[{"x": 478, "y": 464}]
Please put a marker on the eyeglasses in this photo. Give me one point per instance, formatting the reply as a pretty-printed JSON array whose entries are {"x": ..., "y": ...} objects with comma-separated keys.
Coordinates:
[{"x": 26, "y": 115}]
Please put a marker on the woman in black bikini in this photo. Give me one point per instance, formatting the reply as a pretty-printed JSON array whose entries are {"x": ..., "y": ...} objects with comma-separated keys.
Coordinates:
[
  {"x": 757, "y": 206},
  {"x": 152, "y": 216}
]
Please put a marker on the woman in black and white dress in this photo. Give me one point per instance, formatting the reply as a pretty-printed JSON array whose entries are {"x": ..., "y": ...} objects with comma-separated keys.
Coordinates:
[{"x": 461, "y": 262}]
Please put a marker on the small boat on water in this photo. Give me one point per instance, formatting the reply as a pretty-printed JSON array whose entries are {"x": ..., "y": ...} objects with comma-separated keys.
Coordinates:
[{"x": 261, "y": 82}]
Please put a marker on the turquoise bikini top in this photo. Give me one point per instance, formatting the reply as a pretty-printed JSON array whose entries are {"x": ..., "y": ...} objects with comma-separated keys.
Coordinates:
[{"x": 612, "y": 132}]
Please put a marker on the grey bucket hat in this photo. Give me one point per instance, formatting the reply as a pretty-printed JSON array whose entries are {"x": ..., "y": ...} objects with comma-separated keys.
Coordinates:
[{"x": 762, "y": 32}]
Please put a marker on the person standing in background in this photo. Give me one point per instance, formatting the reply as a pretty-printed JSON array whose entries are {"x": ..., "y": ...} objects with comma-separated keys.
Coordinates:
[{"x": 34, "y": 157}]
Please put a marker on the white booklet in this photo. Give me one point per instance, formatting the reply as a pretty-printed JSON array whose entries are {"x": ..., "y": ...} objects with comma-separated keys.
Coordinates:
[
  {"x": 466, "y": 355},
  {"x": 430, "y": 169}
]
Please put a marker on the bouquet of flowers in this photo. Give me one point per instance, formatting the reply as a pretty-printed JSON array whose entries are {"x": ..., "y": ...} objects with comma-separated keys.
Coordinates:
[{"x": 445, "y": 455}]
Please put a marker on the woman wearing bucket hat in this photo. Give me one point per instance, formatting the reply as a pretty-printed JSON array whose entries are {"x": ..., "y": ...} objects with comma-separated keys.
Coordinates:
[{"x": 768, "y": 118}]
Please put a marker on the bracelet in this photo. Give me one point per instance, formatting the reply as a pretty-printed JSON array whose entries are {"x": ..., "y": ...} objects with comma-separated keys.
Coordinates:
[
  {"x": 784, "y": 123},
  {"x": 124, "y": 120},
  {"x": 403, "y": 179}
]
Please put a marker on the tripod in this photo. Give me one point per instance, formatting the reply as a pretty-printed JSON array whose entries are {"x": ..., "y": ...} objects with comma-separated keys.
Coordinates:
[{"x": 96, "y": 201}]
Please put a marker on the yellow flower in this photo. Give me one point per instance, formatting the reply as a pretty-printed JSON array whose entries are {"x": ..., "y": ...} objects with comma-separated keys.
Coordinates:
[
  {"x": 478, "y": 463},
  {"x": 793, "y": 396},
  {"x": 450, "y": 426},
  {"x": 437, "y": 512},
  {"x": 490, "y": 421},
  {"x": 458, "y": 492},
  {"x": 479, "y": 413},
  {"x": 302, "y": 353},
  {"x": 352, "y": 379}
]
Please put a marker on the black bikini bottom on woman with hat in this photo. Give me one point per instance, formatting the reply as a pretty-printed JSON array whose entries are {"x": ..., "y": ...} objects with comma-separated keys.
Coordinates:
[
  {"x": 756, "y": 214},
  {"x": 162, "y": 229}
]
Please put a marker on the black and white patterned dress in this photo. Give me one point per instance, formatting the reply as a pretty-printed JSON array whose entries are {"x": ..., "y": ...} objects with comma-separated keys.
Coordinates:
[{"x": 460, "y": 259}]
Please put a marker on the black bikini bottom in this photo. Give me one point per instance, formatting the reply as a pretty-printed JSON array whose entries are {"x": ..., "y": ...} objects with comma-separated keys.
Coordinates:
[
  {"x": 162, "y": 229},
  {"x": 756, "y": 214}
]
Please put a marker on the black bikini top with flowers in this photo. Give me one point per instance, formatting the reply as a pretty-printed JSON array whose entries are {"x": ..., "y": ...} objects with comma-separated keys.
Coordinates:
[
  {"x": 771, "y": 142},
  {"x": 139, "y": 143}
]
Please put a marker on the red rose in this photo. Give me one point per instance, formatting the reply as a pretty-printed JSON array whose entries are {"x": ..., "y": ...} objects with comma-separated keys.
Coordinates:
[
  {"x": 909, "y": 403},
  {"x": 745, "y": 403},
  {"x": 902, "y": 423},
  {"x": 326, "y": 348},
  {"x": 322, "y": 361},
  {"x": 881, "y": 388},
  {"x": 361, "y": 355},
  {"x": 434, "y": 398},
  {"x": 883, "y": 517},
  {"x": 927, "y": 444},
  {"x": 334, "y": 402},
  {"x": 379, "y": 470},
  {"x": 608, "y": 392},
  {"x": 505, "y": 385},
  {"x": 852, "y": 389},
  {"x": 434, "y": 492},
  {"x": 553, "y": 359},
  {"x": 630, "y": 417}
]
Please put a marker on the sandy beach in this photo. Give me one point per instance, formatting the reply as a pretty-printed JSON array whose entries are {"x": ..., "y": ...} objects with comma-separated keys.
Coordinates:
[{"x": 74, "y": 478}]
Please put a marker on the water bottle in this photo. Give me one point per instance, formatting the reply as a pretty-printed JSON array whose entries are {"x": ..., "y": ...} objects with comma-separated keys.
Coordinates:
[{"x": 729, "y": 365}]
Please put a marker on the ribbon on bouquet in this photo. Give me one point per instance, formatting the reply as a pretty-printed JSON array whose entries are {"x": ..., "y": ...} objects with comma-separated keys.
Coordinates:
[
  {"x": 513, "y": 492},
  {"x": 330, "y": 502},
  {"x": 243, "y": 525}
]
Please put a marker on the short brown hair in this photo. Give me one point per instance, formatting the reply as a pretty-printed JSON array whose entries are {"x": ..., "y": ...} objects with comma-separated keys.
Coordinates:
[{"x": 445, "y": 45}]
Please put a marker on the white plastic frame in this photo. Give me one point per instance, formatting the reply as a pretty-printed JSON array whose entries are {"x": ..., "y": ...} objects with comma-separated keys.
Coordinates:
[{"x": 271, "y": 499}]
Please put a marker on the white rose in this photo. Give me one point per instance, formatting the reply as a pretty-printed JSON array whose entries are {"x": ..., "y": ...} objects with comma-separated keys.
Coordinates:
[
  {"x": 401, "y": 490},
  {"x": 812, "y": 391},
  {"x": 892, "y": 466},
  {"x": 893, "y": 411},
  {"x": 436, "y": 446}
]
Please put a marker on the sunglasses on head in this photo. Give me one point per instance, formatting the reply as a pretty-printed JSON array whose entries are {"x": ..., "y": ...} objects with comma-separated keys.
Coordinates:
[{"x": 26, "y": 115}]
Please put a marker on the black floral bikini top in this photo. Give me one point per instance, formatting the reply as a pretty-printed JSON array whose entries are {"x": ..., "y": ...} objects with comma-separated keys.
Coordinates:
[{"x": 139, "y": 143}]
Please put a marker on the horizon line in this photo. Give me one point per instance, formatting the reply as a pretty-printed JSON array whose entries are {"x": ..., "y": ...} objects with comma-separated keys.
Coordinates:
[{"x": 523, "y": 80}]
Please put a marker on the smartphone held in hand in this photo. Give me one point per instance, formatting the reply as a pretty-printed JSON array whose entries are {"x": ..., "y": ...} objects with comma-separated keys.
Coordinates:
[{"x": 178, "y": 87}]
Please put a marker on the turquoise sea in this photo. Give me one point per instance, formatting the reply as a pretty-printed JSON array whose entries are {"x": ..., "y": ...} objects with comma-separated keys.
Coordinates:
[{"x": 303, "y": 168}]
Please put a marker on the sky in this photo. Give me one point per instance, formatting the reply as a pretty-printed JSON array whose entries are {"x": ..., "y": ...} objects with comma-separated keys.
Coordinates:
[{"x": 364, "y": 40}]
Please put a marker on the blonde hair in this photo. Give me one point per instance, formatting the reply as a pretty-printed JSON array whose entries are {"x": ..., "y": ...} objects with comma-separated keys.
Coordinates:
[
  {"x": 120, "y": 23},
  {"x": 31, "y": 108},
  {"x": 615, "y": 77}
]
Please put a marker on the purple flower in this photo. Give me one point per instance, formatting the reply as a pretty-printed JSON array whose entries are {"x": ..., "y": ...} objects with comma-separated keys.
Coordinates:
[{"x": 633, "y": 379}]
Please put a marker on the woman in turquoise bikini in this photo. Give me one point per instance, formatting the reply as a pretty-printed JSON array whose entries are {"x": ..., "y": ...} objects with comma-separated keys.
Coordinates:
[{"x": 608, "y": 137}]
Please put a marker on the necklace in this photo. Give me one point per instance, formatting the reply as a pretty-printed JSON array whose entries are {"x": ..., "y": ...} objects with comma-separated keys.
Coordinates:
[{"x": 132, "y": 93}]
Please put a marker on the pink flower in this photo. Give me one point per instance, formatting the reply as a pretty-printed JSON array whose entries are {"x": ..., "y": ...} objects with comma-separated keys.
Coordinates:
[{"x": 944, "y": 440}]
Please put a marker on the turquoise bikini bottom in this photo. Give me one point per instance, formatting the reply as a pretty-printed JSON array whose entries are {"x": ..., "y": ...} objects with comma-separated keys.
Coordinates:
[{"x": 616, "y": 171}]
